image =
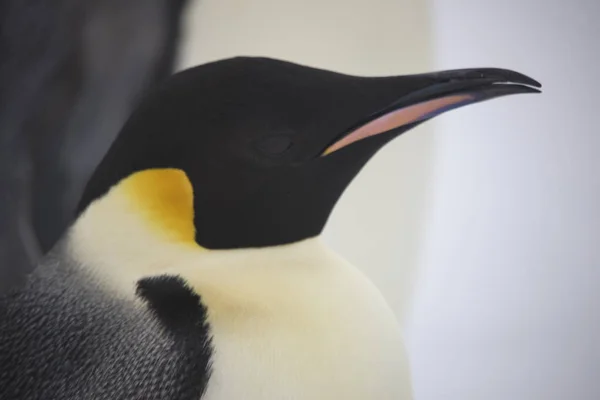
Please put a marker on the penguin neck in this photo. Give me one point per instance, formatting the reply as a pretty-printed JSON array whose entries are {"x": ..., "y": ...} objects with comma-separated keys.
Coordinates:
[{"x": 144, "y": 226}]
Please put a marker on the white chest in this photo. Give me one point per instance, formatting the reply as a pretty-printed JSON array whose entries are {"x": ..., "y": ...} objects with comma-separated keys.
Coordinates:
[
  {"x": 299, "y": 328},
  {"x": 291, "y": 322}
]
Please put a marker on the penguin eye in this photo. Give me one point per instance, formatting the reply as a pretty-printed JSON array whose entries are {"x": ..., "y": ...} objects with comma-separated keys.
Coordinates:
[{"x": 274, "y": 145}]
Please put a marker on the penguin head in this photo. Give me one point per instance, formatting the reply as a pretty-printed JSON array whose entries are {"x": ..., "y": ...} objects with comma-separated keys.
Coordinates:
[{"x": 253, "y": 152}]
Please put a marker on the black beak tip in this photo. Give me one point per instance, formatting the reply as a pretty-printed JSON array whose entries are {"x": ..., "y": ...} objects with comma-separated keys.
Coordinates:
[
  {"x": 498, "y": 90},
  {"x": 511, "y": 82},
  {"x": 509, "y": 77},
  {"x": 501, "y": 82},
  {"x": 489, "y": 75}
]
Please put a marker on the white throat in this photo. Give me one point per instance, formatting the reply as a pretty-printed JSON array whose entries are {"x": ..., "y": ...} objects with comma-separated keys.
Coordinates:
[{"x": 290, "y": 322}]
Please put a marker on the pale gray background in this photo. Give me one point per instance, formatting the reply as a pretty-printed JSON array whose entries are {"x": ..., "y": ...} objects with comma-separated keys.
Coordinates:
[{"x": 494, "y": 208}]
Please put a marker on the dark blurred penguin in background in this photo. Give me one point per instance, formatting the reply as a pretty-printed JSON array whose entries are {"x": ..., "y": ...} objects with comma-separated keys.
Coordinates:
[{"x": 70, "y": 72}]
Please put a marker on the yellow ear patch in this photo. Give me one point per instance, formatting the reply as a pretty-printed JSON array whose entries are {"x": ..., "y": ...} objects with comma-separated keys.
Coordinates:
[{"x": 165, "y": 199}]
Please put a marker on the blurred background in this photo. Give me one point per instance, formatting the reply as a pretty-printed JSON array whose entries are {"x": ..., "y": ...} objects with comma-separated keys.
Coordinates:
[{"x": 481, "y": 228}]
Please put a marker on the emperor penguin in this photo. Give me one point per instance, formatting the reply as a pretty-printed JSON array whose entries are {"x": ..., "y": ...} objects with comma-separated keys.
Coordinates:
[{"x": 194, "y": 268}]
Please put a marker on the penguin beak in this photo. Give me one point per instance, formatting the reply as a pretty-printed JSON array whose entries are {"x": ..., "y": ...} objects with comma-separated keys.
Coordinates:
[{"x": 440, "y": 92}]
